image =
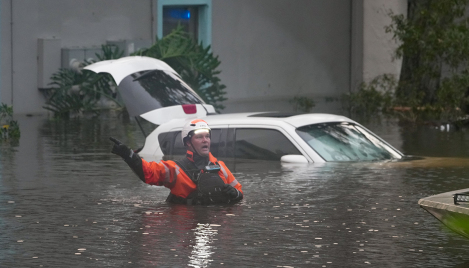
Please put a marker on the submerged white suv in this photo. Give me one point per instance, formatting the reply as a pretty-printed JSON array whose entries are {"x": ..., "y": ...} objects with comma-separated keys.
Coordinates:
[
  {"x": 274, "y": 136},
  {"x": 152, "y": 90}
]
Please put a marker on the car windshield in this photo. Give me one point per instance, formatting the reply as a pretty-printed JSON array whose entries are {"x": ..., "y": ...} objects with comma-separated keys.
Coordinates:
[{"x": 346, "y": 142}]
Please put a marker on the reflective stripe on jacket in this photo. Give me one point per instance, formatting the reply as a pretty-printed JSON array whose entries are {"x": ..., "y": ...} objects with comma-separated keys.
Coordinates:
[{"x": 170, "y": 175}]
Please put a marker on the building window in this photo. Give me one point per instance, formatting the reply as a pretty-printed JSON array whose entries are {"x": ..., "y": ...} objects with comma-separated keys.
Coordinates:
[
  {"x": 194, "y": 15},
  {"x": 187, "y": 17}
]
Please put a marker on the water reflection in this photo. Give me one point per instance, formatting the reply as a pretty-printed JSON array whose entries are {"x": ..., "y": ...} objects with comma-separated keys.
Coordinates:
[
  {"x": 202, "y": 250},
  {"x": 67, "y": 202}
]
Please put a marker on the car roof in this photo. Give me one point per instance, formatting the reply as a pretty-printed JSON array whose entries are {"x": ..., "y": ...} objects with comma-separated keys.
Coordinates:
[{"x": 296, "y": 120}]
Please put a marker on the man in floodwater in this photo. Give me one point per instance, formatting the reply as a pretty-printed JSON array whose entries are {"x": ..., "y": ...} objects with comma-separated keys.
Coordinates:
[{"x": 196, "y": 179}]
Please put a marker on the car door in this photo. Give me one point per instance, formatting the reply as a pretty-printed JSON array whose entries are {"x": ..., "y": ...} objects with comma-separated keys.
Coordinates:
[{"x": 259, "y": 142}]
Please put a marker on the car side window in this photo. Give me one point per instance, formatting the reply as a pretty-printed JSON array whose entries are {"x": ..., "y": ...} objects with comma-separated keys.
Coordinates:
[
  {"x": 215, "y": 142},
  {"x": 178, "y": 146},
  {"x": 266, "y": 144},
  {"x": 165, "y": 140}
]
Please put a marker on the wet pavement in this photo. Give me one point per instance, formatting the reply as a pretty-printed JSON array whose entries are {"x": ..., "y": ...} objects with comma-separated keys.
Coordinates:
[{"x": 67, "y": 202}]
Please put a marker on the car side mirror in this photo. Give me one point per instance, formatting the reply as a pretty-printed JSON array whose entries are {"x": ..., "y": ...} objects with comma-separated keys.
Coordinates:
[{"x": 294, "y": 158}]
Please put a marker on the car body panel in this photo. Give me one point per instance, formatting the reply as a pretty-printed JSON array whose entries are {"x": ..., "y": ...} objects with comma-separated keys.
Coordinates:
[
  {"x": 163, "y": 115},
  {"x": 121, "y": 68},
  {"x": 287, "y": 126}
]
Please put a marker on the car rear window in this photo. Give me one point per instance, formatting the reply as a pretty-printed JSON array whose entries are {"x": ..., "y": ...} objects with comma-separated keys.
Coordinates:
[{"x": 149, "y": 90}]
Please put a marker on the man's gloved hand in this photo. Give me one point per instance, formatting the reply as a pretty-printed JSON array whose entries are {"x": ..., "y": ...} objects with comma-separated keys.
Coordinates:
[
  {"x": 132, "y": 159},
  {"x": 121, "y": 149},
  {"x": 230, "y": 191}
]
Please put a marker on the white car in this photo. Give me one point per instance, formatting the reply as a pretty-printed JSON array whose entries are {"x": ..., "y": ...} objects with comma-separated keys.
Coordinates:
[
  {"x": 155, "y": 92},
  {"x": 272, "y": 136}
]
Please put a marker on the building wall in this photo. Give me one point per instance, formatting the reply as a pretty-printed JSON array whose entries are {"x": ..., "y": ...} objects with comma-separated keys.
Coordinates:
[
  {"x": 83, "y": 23},
  {"x": 272, "y": 50},
  {"x": 378, "y": 46}
]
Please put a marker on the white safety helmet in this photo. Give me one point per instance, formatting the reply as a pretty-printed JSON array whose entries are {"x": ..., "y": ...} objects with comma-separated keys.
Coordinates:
[{"x": 192, "y": 128}]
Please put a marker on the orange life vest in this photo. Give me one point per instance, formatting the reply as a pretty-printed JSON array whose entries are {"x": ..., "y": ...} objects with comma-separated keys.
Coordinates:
[{"x": 172, "y": 176}]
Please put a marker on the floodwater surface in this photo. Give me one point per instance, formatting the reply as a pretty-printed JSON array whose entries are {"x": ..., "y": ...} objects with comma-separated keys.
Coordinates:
[{"x": 66, "y": 201}]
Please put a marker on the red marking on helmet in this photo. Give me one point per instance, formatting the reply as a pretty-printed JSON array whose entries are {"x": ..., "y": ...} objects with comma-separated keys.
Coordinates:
[
  {"x": 197, "y": 121},
  {"x": 189, "y": 108}
]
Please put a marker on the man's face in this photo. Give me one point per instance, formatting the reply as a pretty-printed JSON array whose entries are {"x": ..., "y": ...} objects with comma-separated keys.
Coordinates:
[{"x": 201, "y": 142}]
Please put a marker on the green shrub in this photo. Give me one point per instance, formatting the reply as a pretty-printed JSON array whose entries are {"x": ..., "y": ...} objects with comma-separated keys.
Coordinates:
[
  {"x": 434, "y": 47},
  {"x": 371, "y": 98},
  {"x": 9, "y": 127},
  {"x": 302, "y": 104},
  {"x": 195, "y": 63},
  {"x": 76, "y": 92}
]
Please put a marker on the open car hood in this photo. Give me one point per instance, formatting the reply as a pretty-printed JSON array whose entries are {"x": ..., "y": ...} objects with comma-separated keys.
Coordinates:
[{"x": 146, "y": 84}]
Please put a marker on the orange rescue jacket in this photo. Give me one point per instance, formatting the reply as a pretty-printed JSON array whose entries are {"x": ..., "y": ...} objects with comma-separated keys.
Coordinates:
[{"x": 170, "y": 175}]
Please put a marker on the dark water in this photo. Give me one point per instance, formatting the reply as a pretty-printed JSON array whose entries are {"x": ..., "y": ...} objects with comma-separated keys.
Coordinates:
[{"x": 67, "y": 202}]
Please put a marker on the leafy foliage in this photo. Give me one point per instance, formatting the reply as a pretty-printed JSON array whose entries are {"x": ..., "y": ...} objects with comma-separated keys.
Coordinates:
[
  {"x": 302, "y": 104},
  {"x": 68, "y": 94},
  {"x": 371, "y": 98},
  {"x": 76, "y": 92},
  {"x": 104, "y": 81},
  {"x": 9, "y": 127},
  {"x": 80, "y": 92},
  {"x": 194, "y": 62},
  {"x": 434, "y": 47},
  {"x": 110, "y": 52}
]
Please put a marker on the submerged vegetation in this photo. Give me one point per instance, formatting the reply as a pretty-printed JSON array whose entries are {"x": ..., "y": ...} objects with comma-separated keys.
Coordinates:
[
  {"x": 371, "y": 98},
  {"x": 10, "y": 129},
  {"x": 302, "y": 104},
  {"x": 75, "y": 92}
]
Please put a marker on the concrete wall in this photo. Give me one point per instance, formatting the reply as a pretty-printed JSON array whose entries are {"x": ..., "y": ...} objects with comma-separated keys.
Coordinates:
[
  {"x": 372, "y": 47},
  {"x": 272, "y": 50},
  {"x": 83, "y": 23}
]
